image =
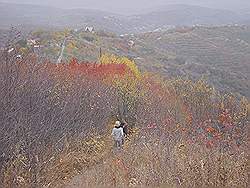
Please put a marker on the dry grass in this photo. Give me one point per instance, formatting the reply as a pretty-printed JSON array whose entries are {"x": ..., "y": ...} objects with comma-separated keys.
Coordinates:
[
  {"x": 152, "y": 163},
  {"x": 54, "y": 128}
]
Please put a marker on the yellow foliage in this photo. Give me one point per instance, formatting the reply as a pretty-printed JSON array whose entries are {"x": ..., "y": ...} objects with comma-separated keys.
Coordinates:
[
  {"x": 60, "y": 35},
  {"x": 127, "y": 85},
  {"x": 245, "y": 108},
  {"x": 66, "y": 32},
  {"x": 113, "y": 59},
  {"x": 71, "y": 46},
  {"x": 23, "y": 50}
]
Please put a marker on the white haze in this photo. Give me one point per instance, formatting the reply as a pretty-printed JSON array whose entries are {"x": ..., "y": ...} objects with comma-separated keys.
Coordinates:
[{"x": 136, "y": 6}]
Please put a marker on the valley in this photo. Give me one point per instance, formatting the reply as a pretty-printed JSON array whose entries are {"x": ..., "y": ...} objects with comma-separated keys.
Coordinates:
[{"x": 219, "y": 55}]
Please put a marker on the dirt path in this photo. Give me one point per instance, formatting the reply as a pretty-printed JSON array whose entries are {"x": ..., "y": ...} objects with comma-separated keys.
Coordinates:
[
  {"x": 97, "y": 172},
  {"x": 59, "y": 60}
]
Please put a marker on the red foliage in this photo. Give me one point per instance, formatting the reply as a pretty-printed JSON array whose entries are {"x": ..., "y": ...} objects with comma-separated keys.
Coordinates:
[
  {"x": 99, "y": 70},
  {"x": 210, "y": 130},
  {"x": 209, "y": 144},
  {"x": 152, "y": 126},
  {"x": 89, "y": 69},
  {"x": 225, "y": 117}
]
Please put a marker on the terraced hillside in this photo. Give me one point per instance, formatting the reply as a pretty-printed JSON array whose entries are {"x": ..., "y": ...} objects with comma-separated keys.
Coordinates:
[{"x": 219, "y": 54}]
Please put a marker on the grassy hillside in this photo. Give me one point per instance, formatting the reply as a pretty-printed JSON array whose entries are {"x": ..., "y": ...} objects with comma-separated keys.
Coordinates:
[
  {"x": 218, "y": 54},
  {"x": 56, "y": 121}
]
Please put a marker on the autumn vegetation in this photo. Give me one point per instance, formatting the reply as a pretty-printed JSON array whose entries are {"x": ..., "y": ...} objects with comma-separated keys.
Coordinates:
[{"x": 56, "y": 120}]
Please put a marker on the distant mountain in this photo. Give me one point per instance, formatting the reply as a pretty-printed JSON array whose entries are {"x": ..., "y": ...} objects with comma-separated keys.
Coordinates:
[
  {"x": 19, "y": 14},
  {"x": 161, "y": 19},
  {"x": 245, "y": 15},
  {"x": 189, "y": 15}
]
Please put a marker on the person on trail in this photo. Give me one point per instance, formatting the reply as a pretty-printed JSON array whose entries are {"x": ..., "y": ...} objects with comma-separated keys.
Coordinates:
[
  {"x": 124, "y": 126},
  {"x": 124, "y": 133},
  {"x": 118, "y": 134}
]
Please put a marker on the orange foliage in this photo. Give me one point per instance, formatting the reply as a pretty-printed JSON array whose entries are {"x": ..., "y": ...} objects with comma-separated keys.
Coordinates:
[{"x": 93, "y": 70}]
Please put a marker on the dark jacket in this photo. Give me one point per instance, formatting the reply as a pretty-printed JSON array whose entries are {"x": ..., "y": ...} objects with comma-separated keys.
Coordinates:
[{"x": 125, "y": 128}]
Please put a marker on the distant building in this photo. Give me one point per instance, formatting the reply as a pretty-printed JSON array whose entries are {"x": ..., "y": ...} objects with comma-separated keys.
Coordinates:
[
  {"x": 11, "y": 50},
  {"x": 19, "y": 56},
  {"x": 31, "y": 42},
  {"x": 138, "y": 58},
  {"x": 131, "y": 43},
  {"x": 89, "y": 29},
  {"x": 37, "y": 46},
  {"x": 34, "y": 43}
]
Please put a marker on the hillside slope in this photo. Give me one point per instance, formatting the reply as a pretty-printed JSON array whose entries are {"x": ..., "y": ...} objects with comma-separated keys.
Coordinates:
[
  {"x": 219, "y": 54},
  {"x": 164, "y": 18},
  {"x": 56, "y": 119}
]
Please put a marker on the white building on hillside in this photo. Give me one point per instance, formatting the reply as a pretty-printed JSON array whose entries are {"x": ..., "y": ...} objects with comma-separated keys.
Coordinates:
[
  {"x": 89, "y": 29},
  {"x": 131, "y": 43}
]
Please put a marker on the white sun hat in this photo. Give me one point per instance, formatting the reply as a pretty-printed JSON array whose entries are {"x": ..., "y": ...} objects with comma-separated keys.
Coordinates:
[{"x": 117, "y": 123}]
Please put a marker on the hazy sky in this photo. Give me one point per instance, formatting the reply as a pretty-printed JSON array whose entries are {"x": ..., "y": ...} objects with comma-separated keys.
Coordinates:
[{"x": 132, "y": 6}]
